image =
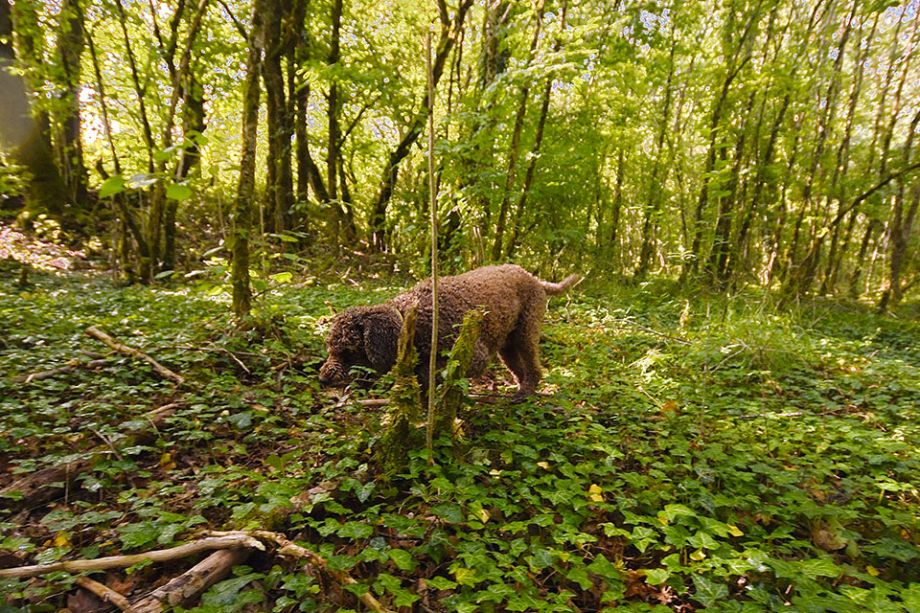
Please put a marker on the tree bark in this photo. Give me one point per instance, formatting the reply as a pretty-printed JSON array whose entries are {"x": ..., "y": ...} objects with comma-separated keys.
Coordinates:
[
  {"x": 900, "y": 227},
  {"x": 332, "y": 117},
  {"x": 738, "y": 59},
  {"x": 280, "y": 181},
  {"x": 69, "y": 141}
]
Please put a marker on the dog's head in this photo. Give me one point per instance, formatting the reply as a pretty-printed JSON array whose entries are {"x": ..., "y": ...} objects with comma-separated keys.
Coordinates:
[{"x": 361, "y": 336}]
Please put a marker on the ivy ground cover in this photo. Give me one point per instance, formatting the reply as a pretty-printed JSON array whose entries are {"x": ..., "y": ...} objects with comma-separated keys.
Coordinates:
[{"x": 687, "y": 453}]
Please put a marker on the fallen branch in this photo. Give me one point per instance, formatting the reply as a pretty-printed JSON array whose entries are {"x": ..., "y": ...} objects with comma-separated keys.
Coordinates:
[
  {"x": 287, "y": 548},
  {"x": 105, "y": 593},
  {"x": 236, "y": 540},
  {"x": 110, "y": 342},
  {"x": 193, "y": 581},
  {"x": 373, "y": 402},
  {"x": 34, "y": 489},
  {"x": 70, "y": 366}
]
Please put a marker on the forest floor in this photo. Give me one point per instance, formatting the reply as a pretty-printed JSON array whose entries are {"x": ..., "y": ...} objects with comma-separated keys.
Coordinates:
[{"x": 686, "y": 452}]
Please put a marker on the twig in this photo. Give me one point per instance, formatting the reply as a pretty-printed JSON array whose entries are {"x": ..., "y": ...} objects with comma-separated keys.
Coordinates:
[
  {"x": 106, "y": 593},
  {"x": 161, "y": 370},
  {"x": 108, "y": 443},
  {"x": 236, "y": 540},
  {"x": 654, "y": 400},
  {"x": 373, "y": 402},
  {"x": 70, "y": 366},
  {"x": 722, "y": 362}
]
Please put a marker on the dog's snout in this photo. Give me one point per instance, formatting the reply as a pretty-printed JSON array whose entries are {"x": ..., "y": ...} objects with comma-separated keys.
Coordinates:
[{"x": 330, "y": 373}]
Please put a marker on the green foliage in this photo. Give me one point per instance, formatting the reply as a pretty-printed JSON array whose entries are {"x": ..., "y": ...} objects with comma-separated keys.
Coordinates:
[{"x": 663, "y": 467}]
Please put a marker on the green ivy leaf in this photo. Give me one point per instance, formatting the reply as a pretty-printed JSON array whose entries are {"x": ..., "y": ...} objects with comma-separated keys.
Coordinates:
[
  {"x": 673, "y": 511},
  {"x": 135, "y": 536},
  {"x": 819, "y": 567},
  {"x": 656, "y": 576},
  {"x": 355, "y": 530},
  {"x": 466, "y": 576},
  {"x": 708, "y": 592},
  {"x": 441, "y": 583},
  {"x": 604, "y": 568},
  {"x": 449, "y": 512},
  {"x": 402, "y": 559}
]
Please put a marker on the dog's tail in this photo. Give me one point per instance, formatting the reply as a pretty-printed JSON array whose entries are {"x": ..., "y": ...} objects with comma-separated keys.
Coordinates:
[{"x": 558, "y": 288}]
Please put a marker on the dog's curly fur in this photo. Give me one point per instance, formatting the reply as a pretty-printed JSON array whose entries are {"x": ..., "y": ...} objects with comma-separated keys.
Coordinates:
[{"x": 512, "y": 299}]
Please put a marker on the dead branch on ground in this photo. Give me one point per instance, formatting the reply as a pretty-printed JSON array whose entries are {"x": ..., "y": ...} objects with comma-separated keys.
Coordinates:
[
  {"x": 70, "y": 366},
  {"x": 287, "y": 548},
  {"x": 230, "y": 541},
  {"x": 104, "y": 592},
  {"x": 110, "y": 342},
  {"x": 192, "y": 582}
]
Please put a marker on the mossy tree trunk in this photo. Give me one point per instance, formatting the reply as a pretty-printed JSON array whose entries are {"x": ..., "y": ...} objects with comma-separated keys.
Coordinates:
[{"x": 242, "y": 210}]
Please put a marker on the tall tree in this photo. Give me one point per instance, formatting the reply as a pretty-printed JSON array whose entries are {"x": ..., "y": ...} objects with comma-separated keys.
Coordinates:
[
  {"x": 448, "y": 35},
  {"x": 242, "y": 209}
]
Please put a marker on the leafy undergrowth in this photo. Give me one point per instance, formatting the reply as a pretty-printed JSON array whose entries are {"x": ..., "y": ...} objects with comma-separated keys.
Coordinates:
[{"x": 686, "y": 454}]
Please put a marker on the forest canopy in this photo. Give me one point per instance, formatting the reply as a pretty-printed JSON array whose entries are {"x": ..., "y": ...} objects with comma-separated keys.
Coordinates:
[{"x": 766, "y": 142}]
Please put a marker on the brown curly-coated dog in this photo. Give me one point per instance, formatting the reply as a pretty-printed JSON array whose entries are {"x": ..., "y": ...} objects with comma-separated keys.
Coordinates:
[{"x": 513, "y": 300}]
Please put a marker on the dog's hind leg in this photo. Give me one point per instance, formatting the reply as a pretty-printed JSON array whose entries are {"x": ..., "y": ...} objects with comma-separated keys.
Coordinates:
[{"x": 524, "y": 344}]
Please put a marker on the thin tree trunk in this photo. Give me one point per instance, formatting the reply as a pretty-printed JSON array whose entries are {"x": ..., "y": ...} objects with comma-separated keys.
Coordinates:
[
  {"x": 537, "y": 145},
  {"x": 733, "y": 68},
  {"x": 242, "y": 210},
  {"x": 70, "y": 146},
  {"x": 399, "y": 153},
  {"x": 296, "y": 53},
  {"x": 856, "y": 276},
  {"x": 718, "y": 254},
  {"x": 300, "y": 95},
  {"x": 280, "y": 181},
  {"x": 617, "y": 207},
  {"x": 334, "y": 133},
  {"x": 900, "y": 227},
  {"x": 653, "y": 191},
  {"x": 193, "y": 122},
  {"x": 801, "y": 273},
  {"x": 128, "y": 221},
  {"x": 515, "y": 149},
  {"x": 837, "y": 190}
]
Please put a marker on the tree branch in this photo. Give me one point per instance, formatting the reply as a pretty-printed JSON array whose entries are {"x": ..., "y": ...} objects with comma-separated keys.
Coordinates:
[
  {"x": 110, "y": 342},
  {"x": 863, "y": 196},
  {"x": 104, "y": 592},
  {"x": 233, "y": 541}
]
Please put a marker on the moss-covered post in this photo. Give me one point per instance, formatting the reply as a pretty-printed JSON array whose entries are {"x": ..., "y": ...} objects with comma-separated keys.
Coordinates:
[
  {"x": 405, "y": 401},
  {"x": 452, "y": 391}
]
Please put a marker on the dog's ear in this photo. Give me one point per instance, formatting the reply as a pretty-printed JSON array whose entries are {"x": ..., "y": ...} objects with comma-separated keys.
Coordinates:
[{"x": 381, "y": 334}]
